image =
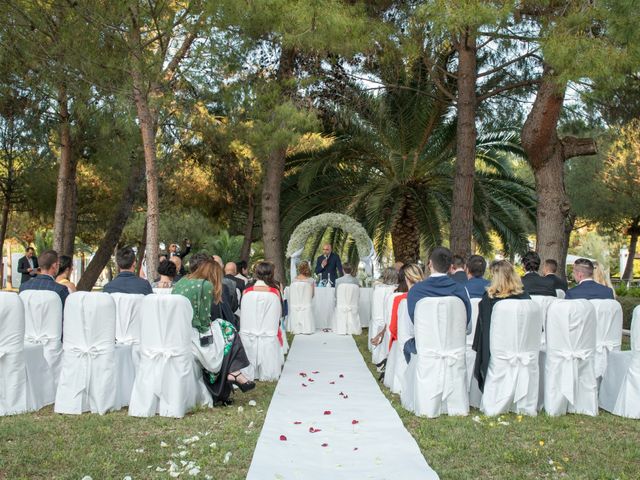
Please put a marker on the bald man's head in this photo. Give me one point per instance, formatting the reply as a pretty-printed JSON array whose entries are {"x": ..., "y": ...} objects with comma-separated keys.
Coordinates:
[
  {"x": 230, "y": 269},
  {"x": 326, "y": 248}
]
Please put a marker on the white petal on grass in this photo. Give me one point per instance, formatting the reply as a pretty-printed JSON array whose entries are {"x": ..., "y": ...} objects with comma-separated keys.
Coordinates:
[
  {"x": 127, "y": 478},
  {"x": 87, "y": 477},
  {"x": 160, "y": 469},
  {"x": 476, "y": 419},
  {"x": 194, "y": 471},
  {"x": 164, "y": 444},
  {"x": 252, "y": 403},
  {"x": 240, "y": 409},
  {"x": 190, "y": 440},
  {"x": 183, "y": 453},
  {"x": 139, "y": 450},
  {"x": 213, "y": 445},
  {"x": 227, "y": 457}
]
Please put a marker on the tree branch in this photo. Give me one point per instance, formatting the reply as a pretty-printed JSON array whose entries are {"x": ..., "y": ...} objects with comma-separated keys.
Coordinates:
[
  {"x": 504, "y": 88},
  {"x": 506, "y": 64},
  {"x": 578, "y": 147}
]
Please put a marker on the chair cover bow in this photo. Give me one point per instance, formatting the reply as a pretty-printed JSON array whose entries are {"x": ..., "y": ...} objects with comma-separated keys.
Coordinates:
[
  {"x": 606, "y": 344},
  {"x": 569, "y": 370},
  {"x": 41, "y": 339},
  {"x": 88, "y": 354},
  {"x": 445, "y": 379},
  {"x": 520, "y": 361}
]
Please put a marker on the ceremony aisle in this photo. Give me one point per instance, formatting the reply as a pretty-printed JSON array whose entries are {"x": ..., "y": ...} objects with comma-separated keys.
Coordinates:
[{"x": 329, "y": 419}]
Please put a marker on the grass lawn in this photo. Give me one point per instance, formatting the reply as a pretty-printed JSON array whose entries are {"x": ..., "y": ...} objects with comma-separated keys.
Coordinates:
[{"x": 520, "y": 447}]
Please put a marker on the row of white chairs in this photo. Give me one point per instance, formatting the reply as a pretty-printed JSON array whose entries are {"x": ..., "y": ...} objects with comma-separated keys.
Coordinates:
[
  {"x": 344, "y": 321},
  {"x": 582, "y": 346}
]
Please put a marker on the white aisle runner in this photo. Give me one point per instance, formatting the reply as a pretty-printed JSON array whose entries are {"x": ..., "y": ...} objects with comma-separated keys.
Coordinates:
[{"x": 328, "y": 419}]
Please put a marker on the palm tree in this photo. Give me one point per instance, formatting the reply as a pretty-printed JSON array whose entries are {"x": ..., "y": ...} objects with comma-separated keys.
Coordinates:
[{"x": 391, "y": 166}]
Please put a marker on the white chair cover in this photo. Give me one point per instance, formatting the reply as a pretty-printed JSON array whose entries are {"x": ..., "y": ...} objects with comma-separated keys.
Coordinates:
[
  {"x": 300, "y": 318},
  {"x": 608, "y": 331},
  {"x": 620, "y": 387},
  {"x": 396, "y": 363},
  {"x": 514, "y": 374},
  {"x": 128, "y": 319},
  {"x": 259, "y": 326},
  {"x": 13, "y": 376},
  {"x": 168, "y": 382},
  {"x": 381, "y": 351},
  {"x": 560, "y": 293},
  {"x": 544, "y": 302},
  {"x": 436, "y": 378},
  {"x": 569, "y": 377},
  {"x": 88, "y": 377},
  {"x": 43, "y": 325},
  {"x": 377, "y": 310},
  {"x": 346, "y": 317},
  {"x": 162, "y": 291},
  {"x": 474, "y": 319}
]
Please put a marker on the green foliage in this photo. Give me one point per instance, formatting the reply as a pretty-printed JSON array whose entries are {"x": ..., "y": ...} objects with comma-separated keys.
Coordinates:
[
  {"x": 224, "y": 245},
  {"x": 629, "y": 303}
]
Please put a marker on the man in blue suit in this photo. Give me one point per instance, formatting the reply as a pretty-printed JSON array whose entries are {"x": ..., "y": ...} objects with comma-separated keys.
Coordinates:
[
  {"x": 439, "y": 284},
  {"x": 127, "y": 281},
  {"x": 477, "y": 284},
  {"x": 328, "y": 264},
  {"x": 587, "y": 287},
  {"x": 46, "y": 279}
]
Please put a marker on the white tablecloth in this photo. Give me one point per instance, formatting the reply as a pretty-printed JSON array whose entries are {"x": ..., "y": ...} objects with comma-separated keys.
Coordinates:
[{"x": 324, "y": 302}]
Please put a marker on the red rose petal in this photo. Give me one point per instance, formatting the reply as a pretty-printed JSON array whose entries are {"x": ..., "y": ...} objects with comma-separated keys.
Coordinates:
[
  {"x": 341, "y": 394},
  {"x": 327, "y": 412},
  {"x": 355, "y": 448},
  {"x": 324, "y": 445},
  {"x": 283, "y": 438},
  {"x": 341, "y": 376},
  {"x": 316, "y": 372},
  {"x": 297, "y": 423},
  {"x": 314, "y": 430},
  {"x": 354, "y": 422},
  {"x": 302, "y": 374},
  {"x": 332, "y": 383},
  {"x": 345, "y": 396},
  {"x": 311, "y": 380}
]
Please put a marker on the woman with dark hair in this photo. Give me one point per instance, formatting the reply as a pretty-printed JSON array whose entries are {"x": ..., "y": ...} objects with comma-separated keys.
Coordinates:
[
  {"x": 535, "y": 284},
  {"x": 203, "y": 288},
  {"x": 64, "y": 272},
  {"x": 167, "y": 271}
]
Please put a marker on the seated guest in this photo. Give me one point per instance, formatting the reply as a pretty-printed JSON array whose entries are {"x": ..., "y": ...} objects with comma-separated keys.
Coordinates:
[
  {"x": 243, "y": 271},
  {"x": 127, "y": 281},
  {"x": 410, "y": 275},
  {"x": 534, "y": 284},
  {"x": 231, "y": 272},
  {"x": 438, "y": 284},
  {"x": 45, "y": 280},
  {"x": 401, "y": 287},
  {"x": 347, "y": 278},
  {"x": 264, "y": 281},
  {"x": 587, "y": 288},
  {"x": 457, "y": 270},
  {"x": 64, "y": 273},
  {"x": 550, "y": 270},
  {"x": 177, "y": 261},
  {"x": 229, "y": 291},
  {"x": 203, "y": 288},
  {"x": 304, "y": 275},
  {"x": 167, "y": 271},
  {"x": 505, "y": 284},
  {"x": 477, "y": 284},
  {"x": 601, "y": 276}
]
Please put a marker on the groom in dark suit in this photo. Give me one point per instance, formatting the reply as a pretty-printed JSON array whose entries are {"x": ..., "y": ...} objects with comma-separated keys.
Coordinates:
[
  {"x": 587, "y": 287},
  {"x": 28, "y": 265},
  {"x": 438, "y": 284},
  {"x": 328, "y": 264}
]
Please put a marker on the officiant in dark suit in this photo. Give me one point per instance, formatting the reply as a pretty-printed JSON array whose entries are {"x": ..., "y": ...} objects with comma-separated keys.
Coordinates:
[
  {"x": 328, "y": 264},
  {"x": 28, "y": 265}
]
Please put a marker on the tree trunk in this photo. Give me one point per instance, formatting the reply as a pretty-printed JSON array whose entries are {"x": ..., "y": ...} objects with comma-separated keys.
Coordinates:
[
  {"x": 9, "y": 268},
  {"x": 143, "y": 243},
  {"x": 405, "y": 236},
  {"x": 633, "y": 231},
  {"x": 274, "y": 173},
  {"x": 116, "y": 225},
  {"x": 245, "y": 251},
  {"x": 568, "y": 228},
  {"x": 64, "y": 171},
  {"x": 71, "y": 210},
  {"x": 462, "y": 206},
  {"x": 4, "y": 222},
  {"x": 148, "y": 131},
  {"x": 547, "y": 153}
]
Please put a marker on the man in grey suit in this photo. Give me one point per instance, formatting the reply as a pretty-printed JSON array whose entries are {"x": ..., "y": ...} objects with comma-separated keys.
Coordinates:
[{"x": 347, "y": 278}]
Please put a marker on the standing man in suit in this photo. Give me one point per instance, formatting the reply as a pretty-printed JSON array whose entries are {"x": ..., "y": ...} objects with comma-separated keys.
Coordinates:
[
  {"x": 438, "y": 284},
  {"x": 328, "y": 264},
  {"x": 46, "y": 280},
  {"x": 457, "y": 269},
  {"x": 173, "y": 252},
  {"x": 587, "y": 287},
  {"x": 549, "y": 270},
  {"x": 533, "y": 283},
  {"x": 28, "y": 265}
]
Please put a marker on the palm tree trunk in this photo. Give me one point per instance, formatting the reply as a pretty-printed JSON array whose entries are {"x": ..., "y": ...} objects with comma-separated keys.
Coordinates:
[
  {"x": 245, "y": 251},
  {"x": 405, "y": 236},
  {"x": 116, "y": 225},
  {"x": 462, "y": 206},
  {"x": 633, "y": 231}
]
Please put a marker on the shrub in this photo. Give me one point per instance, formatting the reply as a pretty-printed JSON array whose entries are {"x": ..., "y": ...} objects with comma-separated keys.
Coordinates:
[{"x": 628, "y": 304}]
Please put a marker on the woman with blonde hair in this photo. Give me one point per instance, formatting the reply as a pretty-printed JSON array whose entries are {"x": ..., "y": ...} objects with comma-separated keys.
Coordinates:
[
  {"x": 304, "y": 274},
  {"x": 505, "y": 284},
  {"x": 409, "y": 275},
  {"x": 203, "y": 289},
  {"x": 601, "y": 276}
]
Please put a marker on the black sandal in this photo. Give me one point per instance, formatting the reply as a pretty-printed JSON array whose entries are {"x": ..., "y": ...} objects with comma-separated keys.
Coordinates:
[{"x": 244, "y": 387}]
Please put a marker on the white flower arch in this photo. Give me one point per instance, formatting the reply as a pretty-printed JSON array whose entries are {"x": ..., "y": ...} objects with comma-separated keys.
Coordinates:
[{"x": 346, "y": 223}]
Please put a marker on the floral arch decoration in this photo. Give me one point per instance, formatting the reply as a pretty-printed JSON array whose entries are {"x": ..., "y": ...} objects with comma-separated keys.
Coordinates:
[{"x": 346, "y": 223}]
